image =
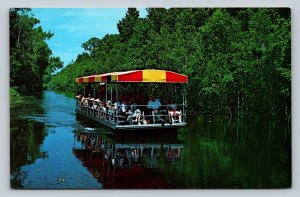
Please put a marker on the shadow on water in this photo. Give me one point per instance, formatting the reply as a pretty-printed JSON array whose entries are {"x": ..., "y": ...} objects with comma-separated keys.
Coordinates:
[{"x": 51, "y": 149}]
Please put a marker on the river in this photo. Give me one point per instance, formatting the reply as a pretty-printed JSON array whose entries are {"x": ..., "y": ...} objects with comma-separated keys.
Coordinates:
[{"x": 51, "y": 148}]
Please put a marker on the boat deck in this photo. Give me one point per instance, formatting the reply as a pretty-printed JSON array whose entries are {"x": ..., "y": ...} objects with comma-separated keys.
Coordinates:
[{"x": 113, "y": 123}]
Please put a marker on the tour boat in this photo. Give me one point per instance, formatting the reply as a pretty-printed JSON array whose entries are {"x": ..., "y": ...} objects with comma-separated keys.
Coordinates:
[{"x": 113, "y": 112}]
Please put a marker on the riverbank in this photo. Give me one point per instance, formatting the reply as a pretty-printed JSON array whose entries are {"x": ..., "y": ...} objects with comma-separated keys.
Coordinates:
[{"x": 15, "y": 98}]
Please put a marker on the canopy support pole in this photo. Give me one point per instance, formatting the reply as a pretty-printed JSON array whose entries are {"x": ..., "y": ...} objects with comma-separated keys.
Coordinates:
[
  {"x": 93, "y": 90},
  {"x": 106, "y": 91},
  {"x": 183, "y": 104},
  {"x": 111, "y": 93},
  {"x": 183, "y": 101},
  {"x": 117, "y": 96},
  {"x": 99, "y": 92},
  {"x": 117, "y": 99}
]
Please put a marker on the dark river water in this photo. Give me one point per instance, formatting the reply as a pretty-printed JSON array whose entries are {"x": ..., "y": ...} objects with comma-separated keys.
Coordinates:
[{"x": 50, "y": 148}]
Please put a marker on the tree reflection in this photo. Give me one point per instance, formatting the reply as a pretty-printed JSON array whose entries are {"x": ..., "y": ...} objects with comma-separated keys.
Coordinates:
[
  {"x": 222, "y": 154},
  {"x": 26, "y": 136}
]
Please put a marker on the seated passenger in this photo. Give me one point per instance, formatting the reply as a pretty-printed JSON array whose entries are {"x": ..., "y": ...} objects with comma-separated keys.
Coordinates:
[
  {"x": 154, "y": 104},
  {"x": 112, "y": 111},
  {"x": 97, "y": 104},
  {"x": 102, "y": 107},
  {"x": 163, "y": 109},
  {"x": 132, "y": 104},
  {"x": 150, "y": 105},
  {"x": 157, "y": 104},
  {"x": 109, "y": 110},
  {"x": 172, "y": 108},
  {"x": 136, "y": 115},
  {"x": 122, "y": 109},
  {"x": 108, "y": 106},
  {"x": 84, "y": 102},
  {"x": 114, "y": 106},
  {"x": 153, "y": 108},
  {"x": 93, "y": 103}
]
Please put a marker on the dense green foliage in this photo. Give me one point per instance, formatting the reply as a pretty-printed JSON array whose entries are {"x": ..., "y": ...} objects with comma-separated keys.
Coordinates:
[
  {"x": 15, "y": 98},
  {"x": 31, "y": 62},
  {"x": 238, "y": 60}
]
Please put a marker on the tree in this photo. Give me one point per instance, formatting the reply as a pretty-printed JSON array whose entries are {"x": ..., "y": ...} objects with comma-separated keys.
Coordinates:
[
  {"x": 127, "y": 24},
  {"x": 54, "y": 65},
  {"x": 29, "y": 53}
]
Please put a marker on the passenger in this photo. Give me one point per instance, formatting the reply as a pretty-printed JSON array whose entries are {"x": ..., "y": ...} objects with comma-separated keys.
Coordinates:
[
  {"x": 132, "y": 104},
  {"x": 115, "y": 105},
  {"x": 129, "y": 115},
  {"x": 153, "y": 107},
  {"x": 108, "y": 104},
  {"x": 150, "y": 105},
  {"x": 172, "y": 108},
  {"x": 134, "y": 115},
  {"x": 97, "y": 107},
  {"x": 97, "y": 102},
  {"x": 84, "y": 102},
  {"x": 93, "y": 106},
  {"x": 122, "y": 109},
  {"x": 157, "y": 104},
  {"x": 109, "y": 107},
  {"x": 90, "y": 101},
  {"x": 78, "y": 100},
  {"x": 112, "y": 111},
  {"x": 153, "y": 104},
  {"x": 137, "y": 114},
  {"x": 102, "y": 108},
  {"x": 163, "y": 109}
]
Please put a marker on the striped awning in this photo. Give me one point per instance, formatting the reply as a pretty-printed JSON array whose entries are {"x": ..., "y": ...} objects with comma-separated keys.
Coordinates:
[{"x": 135, "y": 76}]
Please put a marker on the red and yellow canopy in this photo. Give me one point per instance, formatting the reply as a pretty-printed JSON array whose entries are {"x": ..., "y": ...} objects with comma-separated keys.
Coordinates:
[{"x": 151, "y": 75}]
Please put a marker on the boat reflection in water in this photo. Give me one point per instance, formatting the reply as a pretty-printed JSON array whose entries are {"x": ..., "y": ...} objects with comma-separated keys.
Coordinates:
[{"x": 131, "y": 160}]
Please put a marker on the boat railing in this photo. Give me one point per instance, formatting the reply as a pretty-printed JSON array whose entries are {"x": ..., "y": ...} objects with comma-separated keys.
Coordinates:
[{"x": 114, "y": 114}]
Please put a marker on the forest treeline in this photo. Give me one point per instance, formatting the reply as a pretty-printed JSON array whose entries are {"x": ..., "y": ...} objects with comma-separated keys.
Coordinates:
[
  {"x": 238, "y": 60},
  {"x": 31, "y": 59}
]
